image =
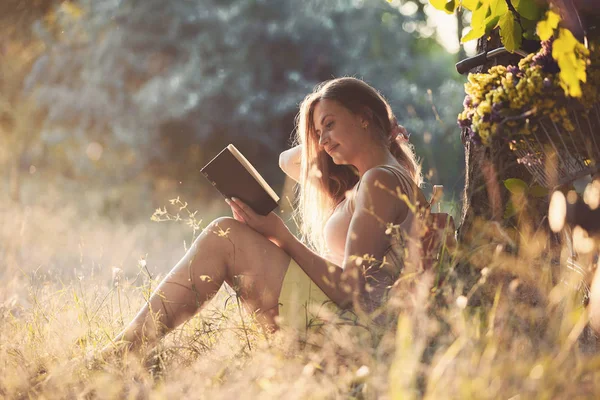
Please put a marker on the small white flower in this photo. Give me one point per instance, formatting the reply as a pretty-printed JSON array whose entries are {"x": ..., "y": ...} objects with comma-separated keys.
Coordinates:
[
  {"x": 461, "y": 302},
  {"x": 308, "y": 369},
  {"x": 363, "y": 372}
]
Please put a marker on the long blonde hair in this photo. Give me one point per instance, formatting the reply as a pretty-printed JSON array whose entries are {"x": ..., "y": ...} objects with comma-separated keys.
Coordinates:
[{"x": 323, "y": 184}]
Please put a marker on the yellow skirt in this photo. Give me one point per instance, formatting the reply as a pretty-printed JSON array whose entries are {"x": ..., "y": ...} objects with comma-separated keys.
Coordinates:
[{"x": 302, "y": 304}]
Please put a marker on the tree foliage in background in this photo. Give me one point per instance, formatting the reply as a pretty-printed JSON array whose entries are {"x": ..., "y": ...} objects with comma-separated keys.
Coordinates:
[
  {"x": 167, "y": 84},
  {"x": 19, "y": 49},
  {"x": 534, "y": 20}
]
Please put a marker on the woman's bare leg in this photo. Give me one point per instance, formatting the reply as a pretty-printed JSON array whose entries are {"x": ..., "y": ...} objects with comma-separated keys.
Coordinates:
[{"x": 226, "y": 251}]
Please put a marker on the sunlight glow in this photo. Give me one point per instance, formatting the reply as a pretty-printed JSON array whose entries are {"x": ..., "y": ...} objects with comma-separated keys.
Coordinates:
[
  {"x": 446, "y": 31},
  {"x": 591, "y": 195},
  {"x": 557, "y": 211},
  {"x": 581, "y": 241},
  {"x": 94, "y": 151}
]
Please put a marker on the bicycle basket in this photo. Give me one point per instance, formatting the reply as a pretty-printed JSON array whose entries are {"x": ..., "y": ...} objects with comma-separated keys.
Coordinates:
[{"x": 556, "y": 156}]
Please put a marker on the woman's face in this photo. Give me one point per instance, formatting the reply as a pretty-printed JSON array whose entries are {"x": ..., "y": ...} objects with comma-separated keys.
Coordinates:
[{"x": 340, "y": 132}]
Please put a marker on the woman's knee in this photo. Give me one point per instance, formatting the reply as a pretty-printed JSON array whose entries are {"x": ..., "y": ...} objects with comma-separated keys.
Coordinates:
[
  {"x": 223, "y": 223},
  {"x": 222, "y": 234},
  {"x": 238, "y": 237},
  {"x": 225, "y": 227}
]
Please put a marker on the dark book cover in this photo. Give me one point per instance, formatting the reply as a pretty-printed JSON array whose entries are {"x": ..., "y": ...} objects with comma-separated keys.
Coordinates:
[{"x": 234, "y": 176}]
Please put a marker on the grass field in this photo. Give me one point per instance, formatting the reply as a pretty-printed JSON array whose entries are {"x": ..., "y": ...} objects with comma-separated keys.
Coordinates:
[{"x": 70, "y": 281}]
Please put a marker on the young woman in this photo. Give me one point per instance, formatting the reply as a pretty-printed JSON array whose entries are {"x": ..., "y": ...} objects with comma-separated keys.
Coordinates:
[{"x": 354, "y": 166}]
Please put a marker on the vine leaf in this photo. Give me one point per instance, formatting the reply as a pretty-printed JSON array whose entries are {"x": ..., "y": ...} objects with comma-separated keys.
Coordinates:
[
  {"x": 516, "y": 186},
  {"x": 510, "y": 32},
  {"x": 477, "y": 23},
  {"x": 545, "y": 28},
  {"x": 528, "y": 9},
  {"x": 529, "y": 29},
  {"x": 491, "y": 22},
  {"x": 448, "y": 6},
  {"x": 438, "y": 4},
  {"x": 470, "y": 5},
  {"x": 510, "y": 210},
  {"x": 572, "y": 68},
  {"x": 498, "y": 8}
]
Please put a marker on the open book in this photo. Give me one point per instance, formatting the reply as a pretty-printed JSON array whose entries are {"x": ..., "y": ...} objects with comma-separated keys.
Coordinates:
[{"x": 233, "y": 175}]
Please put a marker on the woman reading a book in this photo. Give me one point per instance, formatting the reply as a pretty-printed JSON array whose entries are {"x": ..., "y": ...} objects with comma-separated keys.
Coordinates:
[{"x": 357, "y": 176}]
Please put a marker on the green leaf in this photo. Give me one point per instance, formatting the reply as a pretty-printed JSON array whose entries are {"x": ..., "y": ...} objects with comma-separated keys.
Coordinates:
[
  {"x": 528, "y": 24},
  {"x": 572, "y": 68},
  {"x": 510, "y": 210},
  {"x": 450, "y": 6},
  {"x": 510, "y": 32},
  {"x": 538, "y": 191},
  {"x": 444, "y": 5},
  {"x": 528, "y": 9},
  {"x": 516, "y": 186},
  {"x": 491, "y": 22},
  {"x": 529, "y": 29},
  {"x": 438, "y": 4},
  {"x": 545, "y": 28},
  {"x": 498, "y": 8},
  {"x": 477, "y": 23},
  {"x": 473, "y": 34},
  {"x": 529, "y": 35},
  {"x": 469, "y": 4}
]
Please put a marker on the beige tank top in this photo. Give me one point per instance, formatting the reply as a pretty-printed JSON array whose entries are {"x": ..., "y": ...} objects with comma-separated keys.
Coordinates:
[{"x": 336, "y": 229}]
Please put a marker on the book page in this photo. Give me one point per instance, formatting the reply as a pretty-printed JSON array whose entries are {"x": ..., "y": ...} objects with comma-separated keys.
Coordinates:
[{"x": 250, "y": 168}]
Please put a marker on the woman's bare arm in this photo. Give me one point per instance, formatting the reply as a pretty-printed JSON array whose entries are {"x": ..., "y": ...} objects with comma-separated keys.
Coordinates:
[
  {"x": 376, "y": 204},
  {"x": 344, "y": 284},
  {"x": 289, "y": 162}
]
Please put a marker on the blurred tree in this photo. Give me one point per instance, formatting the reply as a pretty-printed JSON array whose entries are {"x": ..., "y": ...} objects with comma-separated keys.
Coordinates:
[
  {"x": 19, "y": 48},
  {"x": 164, "y": 84}
]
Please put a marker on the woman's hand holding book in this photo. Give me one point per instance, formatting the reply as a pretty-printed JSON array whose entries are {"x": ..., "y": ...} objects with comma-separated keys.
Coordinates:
[{"x": 270, "y": 226}]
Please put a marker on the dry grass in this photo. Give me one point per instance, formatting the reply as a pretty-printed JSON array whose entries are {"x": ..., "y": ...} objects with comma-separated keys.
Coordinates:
[{"x": 70, "y": 282}]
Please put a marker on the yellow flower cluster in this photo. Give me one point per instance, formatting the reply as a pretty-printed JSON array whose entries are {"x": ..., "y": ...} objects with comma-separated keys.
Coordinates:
[{"x": 507, "y": 101}]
